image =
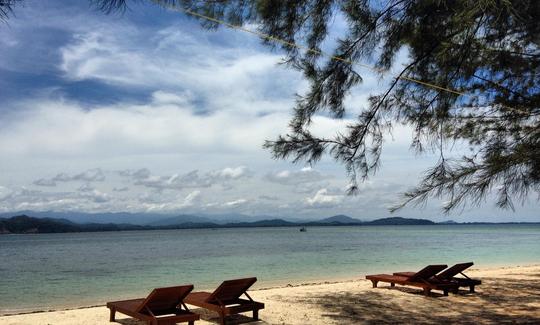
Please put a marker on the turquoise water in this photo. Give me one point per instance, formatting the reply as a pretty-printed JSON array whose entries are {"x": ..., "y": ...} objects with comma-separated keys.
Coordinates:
[{"x": 48, "y": 271}]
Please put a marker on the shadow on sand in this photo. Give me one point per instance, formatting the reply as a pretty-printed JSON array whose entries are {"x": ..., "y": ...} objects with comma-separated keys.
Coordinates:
[
  {"x": 207, "y": 316},
  {"x": 498, "y": 301},
  {"x": 503, "y": 301}
]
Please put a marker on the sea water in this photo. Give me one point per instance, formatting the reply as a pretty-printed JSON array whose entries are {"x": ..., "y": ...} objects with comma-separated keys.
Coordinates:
[{"x": 49, "y": 271}]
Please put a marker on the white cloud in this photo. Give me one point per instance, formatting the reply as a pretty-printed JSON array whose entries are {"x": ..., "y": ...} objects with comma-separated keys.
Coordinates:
[
  {"x": 91, "y": 175},
  {"x": 181, "y": 99},
  {"x": 86, "y": 188},
  {"x": 235, "y": 203},
  {"x": 231, "y": 78},
  {"x": 202, "y": 112},
  {"x": 304, "y": 175},
  {"x": 230, "y": 173},
  {"x": 69, "y": 129},
  {"x": 44, "y": 182},
  {"x": 174, "y": 205},
  {"x": 192, "y": 179},
  {"x": 323, "y": 199},
  {"x": 192, "y": 198},
  {"x": 175, "y": 181},
  {"x": 136, "y": 174},
  {"x": 27, "y": 199}
]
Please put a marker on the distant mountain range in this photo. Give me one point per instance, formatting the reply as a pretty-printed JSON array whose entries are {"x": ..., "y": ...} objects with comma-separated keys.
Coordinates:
[
  {"x": 31, "y": 224},
  {"x": 177, "y": 220},
  {"x": 142, "y": 219},
  {"x": 81, "y": 217},
  {"x": 26, "y": 224}
]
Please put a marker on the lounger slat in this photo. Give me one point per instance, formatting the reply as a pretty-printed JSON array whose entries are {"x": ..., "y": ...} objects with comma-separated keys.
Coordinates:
[
  {"x": 162, "y": 306},
  {"x": 423, "y": 279},
  {"x": 450, "y": 275},
  {"x": 226, "y": 300},
  {"x": 231, "y": 289},
  {"x": 165, "y": 298}
]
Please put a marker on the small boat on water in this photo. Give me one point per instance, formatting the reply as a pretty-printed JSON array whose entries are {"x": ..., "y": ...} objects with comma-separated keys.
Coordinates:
[{"x": 303, "y": 229}]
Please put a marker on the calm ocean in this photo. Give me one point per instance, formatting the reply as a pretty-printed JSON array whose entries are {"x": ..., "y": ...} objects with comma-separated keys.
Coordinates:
[{"x": 48, "y": 271}]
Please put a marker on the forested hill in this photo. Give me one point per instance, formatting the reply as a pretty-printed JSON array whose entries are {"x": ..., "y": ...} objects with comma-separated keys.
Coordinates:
[{"x": 24, "y": 224}]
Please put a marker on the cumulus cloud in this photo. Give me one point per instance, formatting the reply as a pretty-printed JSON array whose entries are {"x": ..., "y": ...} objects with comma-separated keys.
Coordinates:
[
  {"x": 192, "y": 198},
  {"x": 235, "y": 203},
  {"x": 230, "y": 78},
  {"x": 95, "y": 196},
  {"x": 324, "y": 199},
  {"x": 230, "y": 173},
  {"x": 175, "y": 181},
  {"x": 26, "y": 199},
  {"x": 176, "y": 204},
  {"x": 45, "y": 182},
  {"x": 128, "y": 129},
  {"x": 304, "y": 175},
  {"x": 269, "y": 197},
  {"x": 91, "y": 175},
  {"x": 138, "y": 174},
  {"x": 305, "y": 180},
  {"x": 192, "y": 179},
  {"x": 170, "y": 97},
  {"x": 86, "y": 188}
]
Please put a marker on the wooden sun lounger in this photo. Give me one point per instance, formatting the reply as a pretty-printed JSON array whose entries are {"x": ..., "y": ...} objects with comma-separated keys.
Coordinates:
[
  {"x": 422, "y": 279},
  {"x": 450, "y": 275},
  {"x": 162, "y": 306},
  {"x": 225, "y": 300}
]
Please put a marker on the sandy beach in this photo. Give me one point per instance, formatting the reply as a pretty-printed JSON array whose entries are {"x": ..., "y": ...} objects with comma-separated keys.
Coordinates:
[{"x": 507, "y": 295}]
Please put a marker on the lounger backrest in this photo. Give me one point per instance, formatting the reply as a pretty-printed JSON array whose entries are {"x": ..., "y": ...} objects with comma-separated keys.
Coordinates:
[
  {"x": 427, "y": 272},
  {"x": 454, "y": 270},
  {"x": 163, "y": 299},
  {"x": 230, "y": 290}
]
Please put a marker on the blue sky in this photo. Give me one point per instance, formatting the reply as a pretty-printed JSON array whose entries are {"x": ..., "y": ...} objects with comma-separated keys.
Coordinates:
[{"x": 146, "y": 111}]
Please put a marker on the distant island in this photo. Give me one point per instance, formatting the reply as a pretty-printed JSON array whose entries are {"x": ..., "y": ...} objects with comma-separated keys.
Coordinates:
[{"x": 24, "y": 224}]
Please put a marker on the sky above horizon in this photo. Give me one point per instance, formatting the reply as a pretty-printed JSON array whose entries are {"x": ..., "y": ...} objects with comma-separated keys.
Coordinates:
[{"x": 148, "y": 112}]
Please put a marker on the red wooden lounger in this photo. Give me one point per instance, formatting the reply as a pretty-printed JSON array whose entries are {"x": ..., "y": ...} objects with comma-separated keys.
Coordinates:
[
  {"x": 163, "y": 302},
  {"x": 450, "y": 275},
  {"x": 225, "y": 300},
  {"x": 423, "y": 279}
]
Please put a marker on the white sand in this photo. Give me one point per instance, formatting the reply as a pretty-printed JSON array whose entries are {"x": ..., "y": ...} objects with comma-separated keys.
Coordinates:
[{"x": 507, "y": 295}]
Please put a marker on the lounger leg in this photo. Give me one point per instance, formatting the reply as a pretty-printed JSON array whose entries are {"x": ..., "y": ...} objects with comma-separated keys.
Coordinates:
[
  {"x": 191, "y": 322},
  {"x": 392, "y": 285},
  {"x": 374, "y": 283},
  {"x": 113, "y": 312},
  {"x": 222, "y": 318},
  {"x": 471, "y": 289},
  {"x": 445, "y": 292},
  {"x": 255, "y": 314},
  {"x": 427, "y": 292}
]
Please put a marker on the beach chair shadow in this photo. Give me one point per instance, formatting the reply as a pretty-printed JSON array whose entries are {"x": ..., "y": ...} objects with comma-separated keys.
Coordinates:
[
  {"x": 214, "y": 317},
  {"x": 501, "y": 301},
  {"x": 413, "y": 291}
]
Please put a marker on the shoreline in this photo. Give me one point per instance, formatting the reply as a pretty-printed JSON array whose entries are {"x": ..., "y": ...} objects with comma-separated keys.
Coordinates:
[
  {"x": 509, "y": 294},
  {"x": 489, "y": 270},
  {"x": 248, "y": 225}
]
